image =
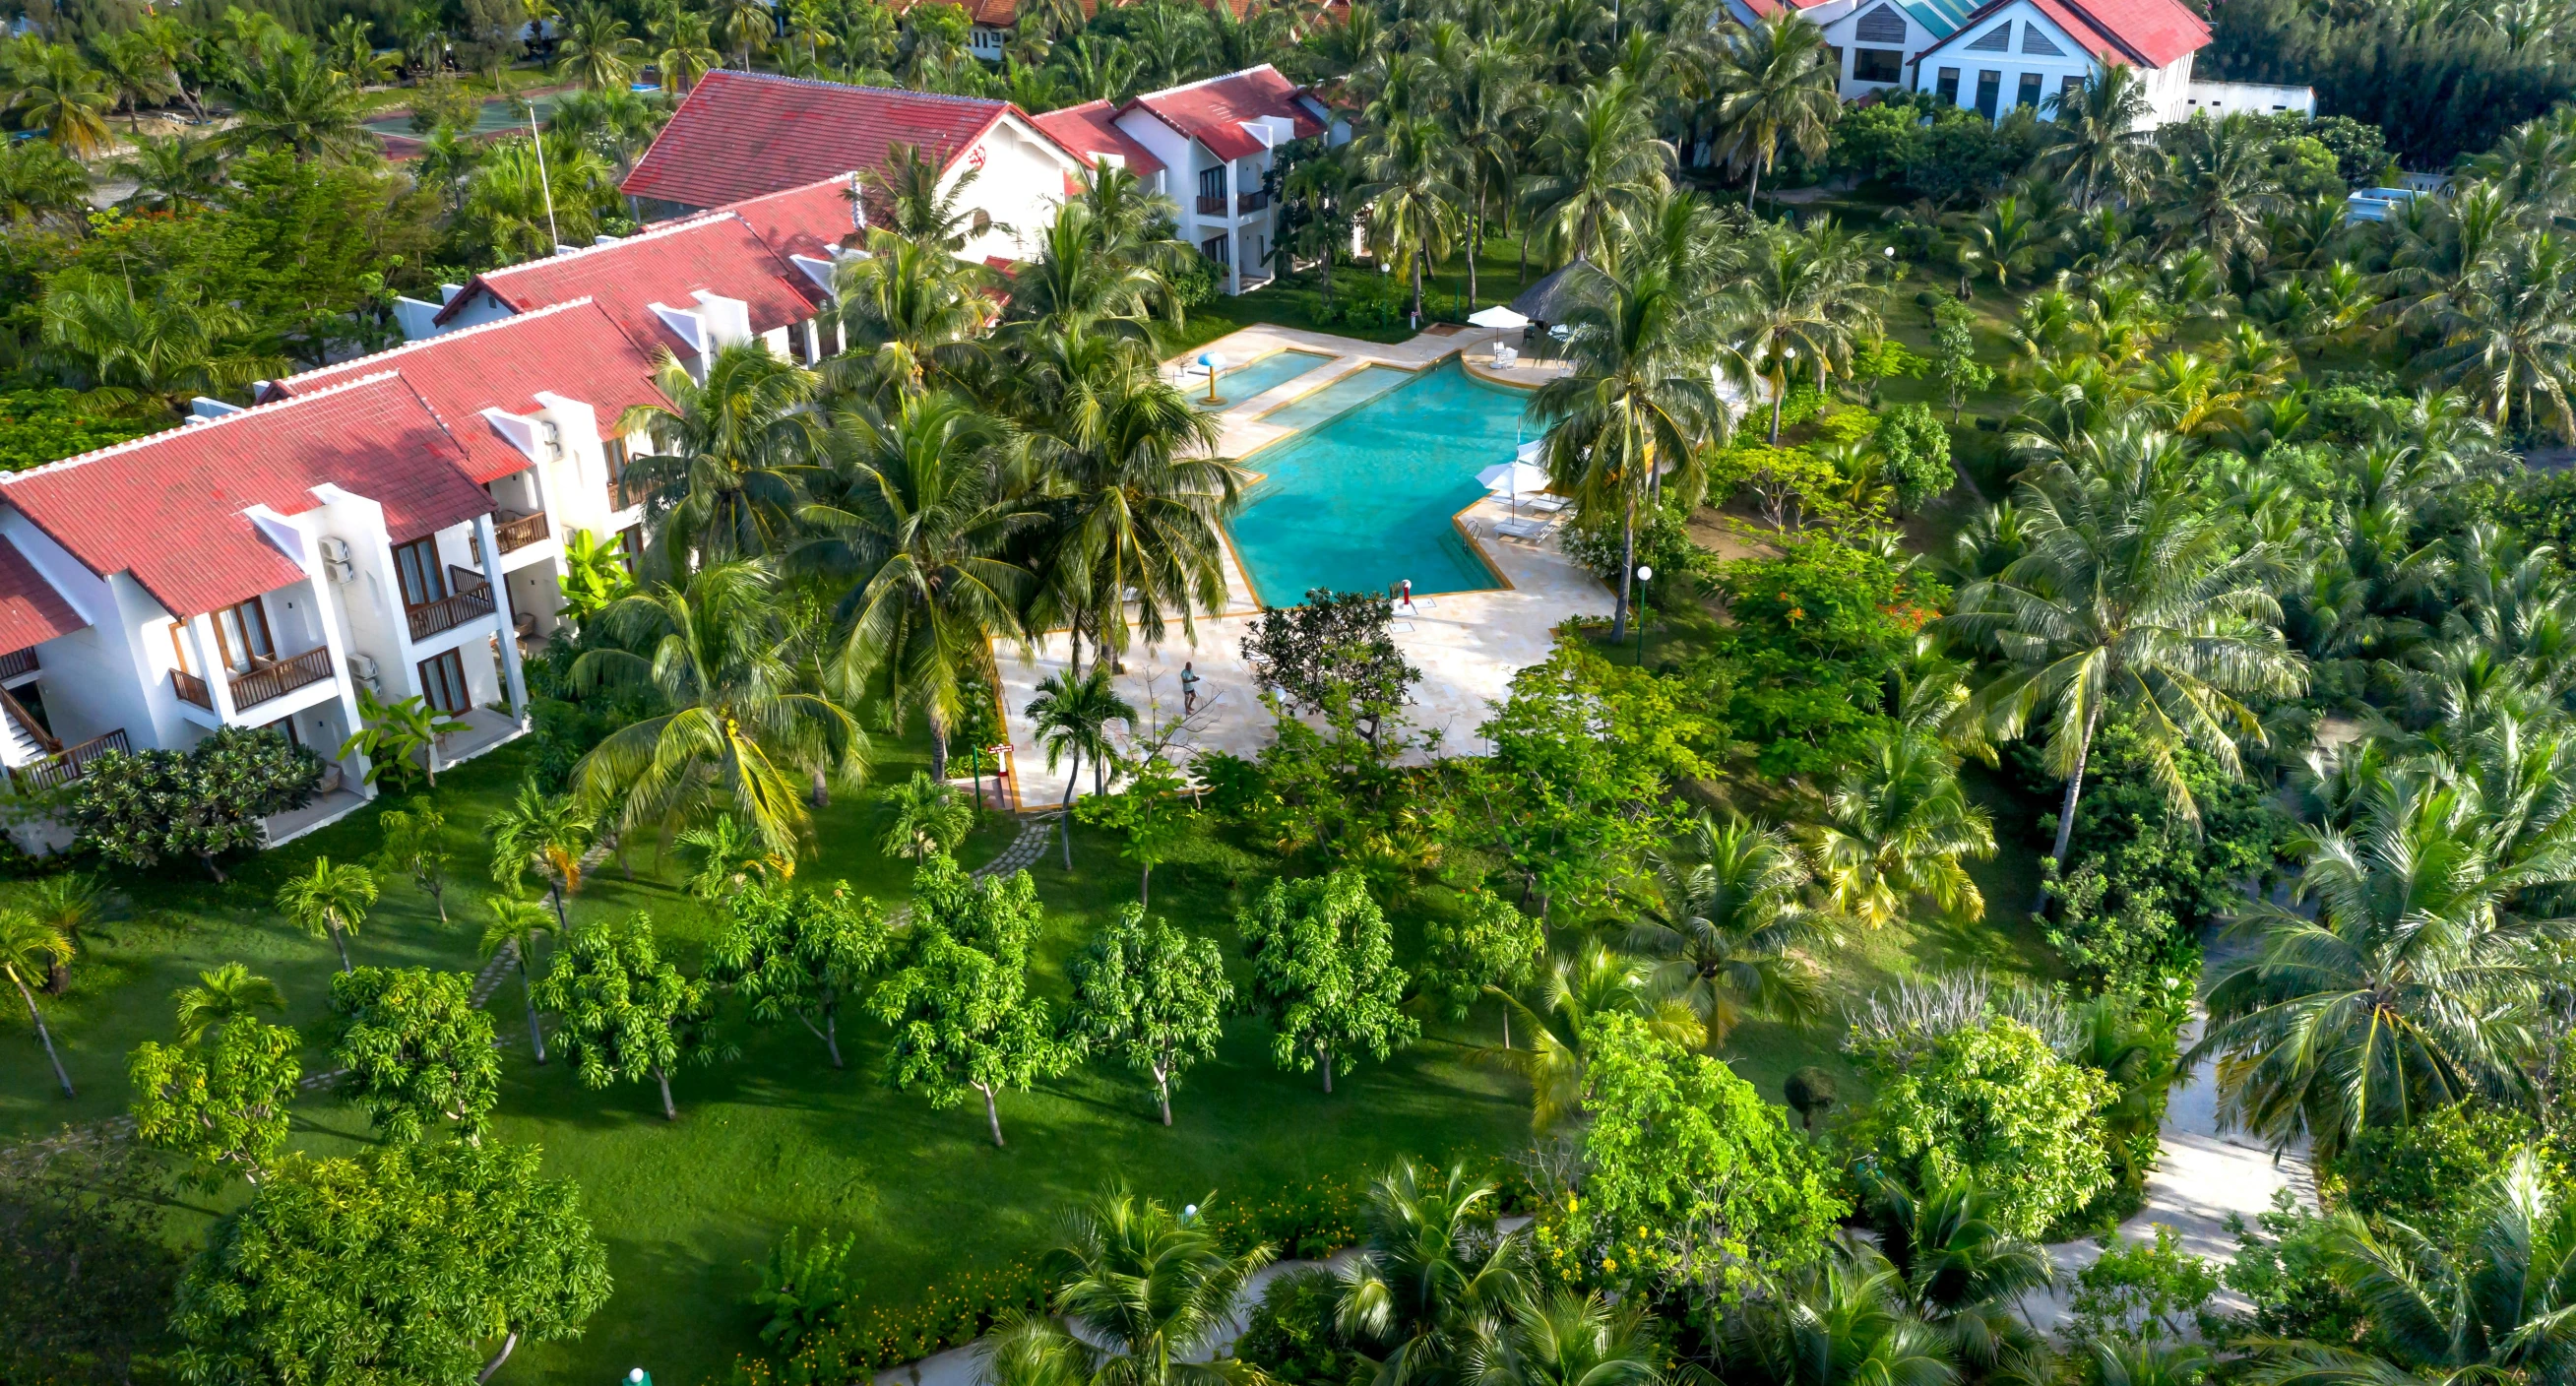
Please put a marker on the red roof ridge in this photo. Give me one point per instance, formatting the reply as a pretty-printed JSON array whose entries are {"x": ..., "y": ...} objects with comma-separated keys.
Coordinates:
[
  {"x": 64, "y": 464},
  {"x": 1220, "y": 77},
  {"x": 660, "y": 231},
  {"x": 456, "y": 334},
  {"x": 732, "y": 75}
]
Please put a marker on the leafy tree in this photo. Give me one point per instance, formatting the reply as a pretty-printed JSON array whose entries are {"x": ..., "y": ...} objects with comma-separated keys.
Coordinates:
[
  {"x": 1334, "y": 646},
  {"x": 47, "y": 425},
  {"x": 1914, "y": 455},
  {"x": 332, "y": 901},
  {"x": 399, "y": 739},
  {"x": 203, "y": 802},
  {"x": 2151, "y": 1289},
  {"x": 417, "y": 1050},
  {"x": 595, "y": 575},
  {"x": 962, "y": 1014},
  {"x": 801, "y": 953},
  {"x": 30, "y": 947},
  {"x": 1324, "y": 974},
  {"x": 1148, "y": 815},
  {"x": 1689, "y": 1178},
  {"x": 1487, "y": 946},
  {"x": 415, "y": 846},
  {"x": 1954, "y": 355},
  {"x": 515, "y": 924},
  {"x": 2437, "y": 1175},
  {"x": 1153, "y": 995},
  {"x": 622, "y": 1013},
  {"x": 410, "y": 1266},
  {"x": 923, "y": 816},
  {"x": 87, "y": 1271},
  {"x": 1991, "y": 1102},
  {"x": 221, "y": 1106},
  {"x": 222, "y": 996}
]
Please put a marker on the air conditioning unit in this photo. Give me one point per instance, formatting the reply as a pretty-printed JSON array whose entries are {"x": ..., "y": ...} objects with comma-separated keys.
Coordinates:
[
  {"x": 363, "y": 669},
  {"x": 342, "y": 571},
  {"x": 335, "y": 550}
]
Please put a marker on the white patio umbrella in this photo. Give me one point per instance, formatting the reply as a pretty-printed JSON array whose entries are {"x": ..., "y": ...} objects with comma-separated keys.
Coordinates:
[
  {"x": 1514, "y": 477},
  {"x": 1497, "y": 316}
]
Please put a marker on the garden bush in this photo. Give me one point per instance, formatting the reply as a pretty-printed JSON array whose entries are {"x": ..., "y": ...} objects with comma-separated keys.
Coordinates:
[{"x": 1995, "y": 1102}]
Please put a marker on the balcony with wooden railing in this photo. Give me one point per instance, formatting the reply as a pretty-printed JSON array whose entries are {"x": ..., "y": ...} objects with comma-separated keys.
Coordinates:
[
  {"x": 456, "y": 608},
  {"x": 1211, "y": 204},
  {"x": 1245, "y": 204},
  {"x": 271, "y": 679},
  {"x": 17, "y": 662},
  {"x": 192, "y": 689},
  {"x": 67, "y": 765},
  {"x": 519, "y": 531}
]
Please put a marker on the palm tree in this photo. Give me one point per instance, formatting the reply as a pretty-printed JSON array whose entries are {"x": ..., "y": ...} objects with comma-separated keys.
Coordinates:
[
  {"x": 1726, "y": 936},
  {"x": 1841, "y": 1320},
  {"x": 914, "y": 317},
  {"x": 681, "y": 48},
  {"x": 2133, "y": 598},
  {"x": 2218, "y": 185},
  {"x": 1601, "y": 169},
  {"x": 917, "y": 522},
  {"x": 1962, "y": 1274},
  {"x": 220, "y": 997},
  {"x": 2415, "y": 986},
  {"x": 1434, "y": 1266},
  {"x": 515, "y": 924},
  {"x": 2509, "y": 336},
  {"x": 597, "y": 50},
  {"x": 57, "y": 92},
  {"x": 728, "y": 455},
  {"x": 1409, "y": 171},
  {"x": 922, "y": 816},
  {"x": 132, "y": 69},
  {"x": 29, "y": 949},
  {"x": 2497, "y": 1308},
  {"x": 1574, "y": 987},
  {"x": 1143, "y": 1298},
  {"x": 2105, "y": 135},
  {"x": 1093, "y": 274},
  {"x": 549, "y": 834},
  {"x": 921, "y": 205},
  {"x": 1775, "y": 87},
  {"x": 176, "y": 173},
  {"x": 169, "y": 347},
  {"x": 523, "y": 202},
  {"x": 332, "y": 900},
  {"x": 747, "y": 24},
  {"x": 1636, "y": 402},
  {"x": 1895, "y": 827},
  {"x": 1071, "y": 715},
  {"x": 295, "y": 100},
  {"x": 1564, "y": 1339},
  {"x": 1802, "y": 295},
  {"x": 740, "y": 727},
  {"x": 40, "y": 183},
  {"x": 68, "y": 903},
  {"x": 1489, "y": 103}
]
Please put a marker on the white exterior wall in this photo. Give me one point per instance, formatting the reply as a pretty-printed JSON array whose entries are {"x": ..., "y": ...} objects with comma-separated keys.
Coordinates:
[
  {"x": 2261, "y": 98},
  {"x": 2166, "y": 86},
  {"x": 1841, "y": 21},
  {"x": 1021, "y": 185}
]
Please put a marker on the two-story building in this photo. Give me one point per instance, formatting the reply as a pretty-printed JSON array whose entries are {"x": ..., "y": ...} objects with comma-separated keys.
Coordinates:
[{"x": 254, "y": 569}]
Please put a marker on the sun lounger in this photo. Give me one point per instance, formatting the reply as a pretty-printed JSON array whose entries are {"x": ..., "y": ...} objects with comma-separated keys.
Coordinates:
[
  {"x": 1527, "y": 531},
  {"x": 1544, "y": 505},
  {"x": 1505, "y": 356}
]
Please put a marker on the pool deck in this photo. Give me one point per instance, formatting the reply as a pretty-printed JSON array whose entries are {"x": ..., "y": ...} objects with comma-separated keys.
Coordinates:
[{"x": 1467, "y": 644}]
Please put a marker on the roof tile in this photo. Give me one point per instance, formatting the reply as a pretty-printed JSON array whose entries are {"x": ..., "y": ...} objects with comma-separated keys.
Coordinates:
[
  {"x": 31, "y": 611},
  {"x": 1091, "y": 130},
  {"x": 743, "y": 134},
  {"x": 719, "y": 253},
  {"x": 1213, "y": 111}
]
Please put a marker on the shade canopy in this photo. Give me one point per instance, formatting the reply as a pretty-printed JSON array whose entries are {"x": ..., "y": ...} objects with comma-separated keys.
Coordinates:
[
  {"x": 1497, "y": 316},
  {"x": 1513, "y": 477},
  {"x": 1532, "y": 451},
  {"x": 1553, "y": 299}
]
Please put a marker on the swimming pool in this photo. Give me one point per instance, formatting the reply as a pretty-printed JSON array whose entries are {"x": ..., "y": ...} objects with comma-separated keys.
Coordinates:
[
  {"x": 1239, "y": 385},
  {"x": 1365, "y": 498},
  {"x": 1316, "y": 406}
]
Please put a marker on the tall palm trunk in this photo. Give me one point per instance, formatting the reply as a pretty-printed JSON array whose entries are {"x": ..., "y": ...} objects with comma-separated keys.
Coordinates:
[
  {"x": 47, "y": 1036},
  {"x": 1627, "y": 567},
  {"x": 2066, "y": 811},
  {"x": 1072, "y": 777},
  {"x": 342, "y": 943},
  {"x": 528, "y": 994}
]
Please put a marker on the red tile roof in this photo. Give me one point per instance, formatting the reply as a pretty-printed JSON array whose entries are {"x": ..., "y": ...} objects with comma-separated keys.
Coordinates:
[
  {"x": 742, "y": 134},
  {"x": 1213, "y": 112},
  {"x": 667, "y": 264},
  {"x": 807, "y": 221},
  {"x": 1002, "y": 14},
  {"x": 168, "y": 508},
  {"x": 572, "y": 349},
  {"x": 2146, "y": 33},
  {"x": 31, "y": 611},
  {"x": 1091, "y": 130}
]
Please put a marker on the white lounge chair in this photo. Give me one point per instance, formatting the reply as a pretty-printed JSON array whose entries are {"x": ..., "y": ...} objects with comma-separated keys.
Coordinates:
[
  {"x": 1527, "y": 531},
  {"x": 1505, "y": 356},
  {"x": 1544, "y": 505}
]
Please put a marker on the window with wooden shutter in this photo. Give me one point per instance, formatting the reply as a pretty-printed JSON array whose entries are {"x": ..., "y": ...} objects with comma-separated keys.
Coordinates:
[{"x": 1881, "y": 25}]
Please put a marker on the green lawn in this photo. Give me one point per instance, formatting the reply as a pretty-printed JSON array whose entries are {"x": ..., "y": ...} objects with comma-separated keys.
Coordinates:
[{"x": 1293, "y": 301}]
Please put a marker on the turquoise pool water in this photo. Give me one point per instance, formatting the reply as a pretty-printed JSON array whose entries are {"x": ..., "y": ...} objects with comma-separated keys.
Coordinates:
[
  {"x": 1238, "y": 386},
  {"x": 1365, "y": 498},
  {"x": 1315, "y": 406}
]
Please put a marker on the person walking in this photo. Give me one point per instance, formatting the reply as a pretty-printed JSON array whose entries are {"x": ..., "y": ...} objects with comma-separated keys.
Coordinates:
[{"x": 1189, "y": 688}]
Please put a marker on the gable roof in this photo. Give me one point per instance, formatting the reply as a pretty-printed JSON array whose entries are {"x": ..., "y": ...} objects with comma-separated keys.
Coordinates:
[
  {"x": 719, "y": 253},
  {"x": 31, "y": 611},
  {"x": 1091, "y": 130},
  {"x": 1941, "y": 18},
  {"x": 1213, "y": 111},
  {"x": 811, "y": 221},
  {"x": 743, "y": 134},
  {"x": 169, "y": 508},
  {"x": 2145, "y": 33},
  {"x": 571, "y": 349}
]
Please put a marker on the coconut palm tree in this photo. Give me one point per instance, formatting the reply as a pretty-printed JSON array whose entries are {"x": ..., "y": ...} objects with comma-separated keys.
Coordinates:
[
  {"x": 176, "y": 173},
  {"x": 1636, "y": 403},
  {"x": 921, "y": 205},
  {"x": 1489, "y": 107},
  {"x": 1433, "y": 1267},
  {"x": 523, "y": 202},
  {"x": 1961, "y": 1274},
  {"x": 1070, "y": 716},
  {"x": 728, "y": 456},
  {"x": 2131, "y": 598},
  {"x": 2105, "y": 135},
  {"x": 515, "y": 924},
  {"x": 29, "y": 949},
  {"x": 1143, "y": 1297},
  {"x": 40, "y": 183},
  {"x": 741, "y": 728},
  {"x": 1726, "y": 935},
  {"x": 1564, "y": 1339},
  {"x": 132, "y": 69},
  {"x": 2218, "y": 185},
  {"x": 293, "y": 99},
  {"x": 2415, "y": 986},
  {"x": 915, "y": 521},
  {"x": 1896, "y": 826},
  {"x": 1802, "y": 296},
  {"x": 681, "y": 48},
  {"x": 55, "y": 90},
  {"x": 597, "y": 49},
  {"x": 169, "y": 347},
  {"x": 746, "y": 24},
  {"x": 1092, "y": 274},
  {"x": 1775, "y": 86},
  {"x": 1592, "y": 980},
  {"x": 1600, "y": 169},
  {"x": 220, "y": 997},
  {"x": 1409, "y": 171},
  {"x": 331, "y": 900},
  {"x": 2509, "y": 334},
  {"x": 1840, "y": 1320},
  {"x": 922, "y": 816},
  {"x": 914, "y": 318}
]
